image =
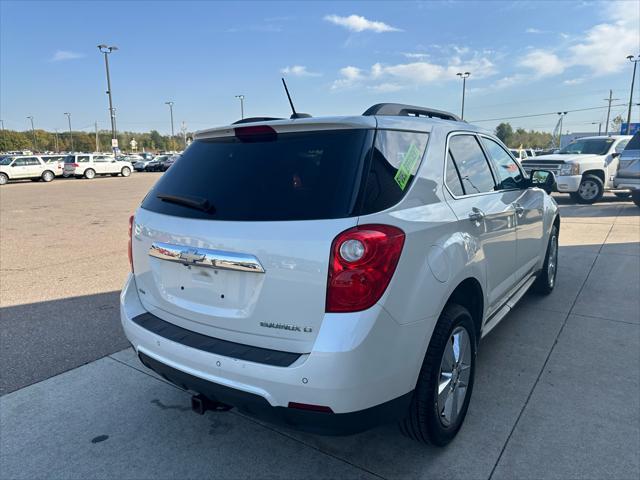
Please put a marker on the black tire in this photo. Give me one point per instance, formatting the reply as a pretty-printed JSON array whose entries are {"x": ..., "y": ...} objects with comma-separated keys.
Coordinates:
[
  {"x": 4, "y": 179},
  {"x": 89, "y": 173},
  {"x": 635, "y": 196},
  {"x": 423, "y": 420},
  {"x": 546, "y": 281},
  {"x": 47, "y": 176},
  {"x": 589, "y": 183},
  {"x": 622, "y": 195}
]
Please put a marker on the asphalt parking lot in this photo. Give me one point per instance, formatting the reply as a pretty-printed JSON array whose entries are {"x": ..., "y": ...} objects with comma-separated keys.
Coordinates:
[{"x": 557, "y": 391}]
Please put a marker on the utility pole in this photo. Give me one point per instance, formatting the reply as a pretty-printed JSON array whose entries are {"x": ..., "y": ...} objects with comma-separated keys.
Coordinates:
[
  {"x": 97, "y": 139},
  {"x": 70, "y": 132},
  {"x": 562, "y": 114},
  {"x": 183, "y": 128},
  {"x": 464, "y": 77},
  {"x": 33, "y": 131},
  {"x": 107, "y": 50},
  {"x": 610, "y": 99},
  {"x": 635, "y": 61},
  {"x": 241, "y": 98},
  {"x": 57, "y": 149}
]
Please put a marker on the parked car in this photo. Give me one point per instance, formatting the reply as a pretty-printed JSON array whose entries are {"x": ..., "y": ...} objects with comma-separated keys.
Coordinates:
[
  {"x": 146, "y": 155},
  {"x": 628, "y": 174},
  {"x": 585, "y": 168},
  {"x": 141, "y": 165},
  {"x": 334, "y": 273},
  {"x": 155, "y": 165},
  {"x": 56, "y": 162},
  {"x": 21, "y": 167},
  {"x": 88, "y": 165},
  {"x": 166, "y": 163}
]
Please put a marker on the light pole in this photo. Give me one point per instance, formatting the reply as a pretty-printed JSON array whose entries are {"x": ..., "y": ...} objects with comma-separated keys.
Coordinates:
[
  {"x": 184, "y": 134},
  {"x": 635, "y": 61},
  {"x": 562, "y": 114},
  {"x": 599, "y": 126},
  {"x": 107, "y": 50},
  {"x": 70, "y": 132},
  {"x": 33, "y": 131},
  {"x": 241, "y": 98},
  {"x": 171, "y": 111},
  {"x": 57, "y": 149},
  {"x": 464, "y": 77}
]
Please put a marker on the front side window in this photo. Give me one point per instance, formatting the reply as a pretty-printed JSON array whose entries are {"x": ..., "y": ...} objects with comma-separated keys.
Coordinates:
[
  {"x": 471, "y": 163},
  {"x": 509, "y": 174},
  {"x": 20, "y": 162},
  {"x": 83, "y": 158},
  {"x": 621, "y": 146}
]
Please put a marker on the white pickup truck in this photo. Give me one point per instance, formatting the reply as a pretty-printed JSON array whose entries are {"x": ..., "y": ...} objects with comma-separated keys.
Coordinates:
[{"x": 585, "y": 168}]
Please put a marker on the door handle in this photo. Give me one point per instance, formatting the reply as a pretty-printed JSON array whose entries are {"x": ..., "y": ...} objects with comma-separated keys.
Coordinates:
[
  {"x": 519, "y": 209},
  {"x": 476, "y": 216}
]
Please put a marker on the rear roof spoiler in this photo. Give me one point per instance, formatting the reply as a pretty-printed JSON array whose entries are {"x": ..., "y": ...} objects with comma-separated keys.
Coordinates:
[
  {"x": 256, "y": 119},
  {"x": 401, "y": 110}
]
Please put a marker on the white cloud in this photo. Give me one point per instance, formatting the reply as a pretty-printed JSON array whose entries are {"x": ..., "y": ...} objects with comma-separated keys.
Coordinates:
[
  {"x": 417, "y": 56},
  {"x": 357, "y": 23},
  {"x": 543, "y": 63},
  {"x": 602, "y": 49},
  {"x": 573, "y": 81},
  {"x": 534, "y": 30},
  {"x": 383, "y": 77},
  {"x": 298, "y": 71},
  {"x": 62, "y": 55}
]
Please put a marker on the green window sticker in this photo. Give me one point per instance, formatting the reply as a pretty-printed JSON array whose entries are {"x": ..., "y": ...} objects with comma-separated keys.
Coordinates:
[{"x": 407, "y": 166}]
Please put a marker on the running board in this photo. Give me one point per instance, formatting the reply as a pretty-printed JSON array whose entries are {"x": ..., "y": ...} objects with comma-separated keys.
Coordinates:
[{"x": 507, "y": 307}]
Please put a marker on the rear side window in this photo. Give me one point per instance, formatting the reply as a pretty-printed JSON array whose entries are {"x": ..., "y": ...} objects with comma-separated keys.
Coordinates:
[
  {"x": 291, "y": 176},
  {"x": 395, "y": 160},
  {"x": 83, "y": 158},
  {"x": 471, "y": 163}
]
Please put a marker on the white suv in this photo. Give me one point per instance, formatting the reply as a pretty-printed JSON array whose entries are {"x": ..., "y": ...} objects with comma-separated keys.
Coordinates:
[
  {"x": 25, "y": 167},
  {"x": 88, "y": 165},
  {"x": 334, "y": 273},
  {"x": 585, "y": 168}
]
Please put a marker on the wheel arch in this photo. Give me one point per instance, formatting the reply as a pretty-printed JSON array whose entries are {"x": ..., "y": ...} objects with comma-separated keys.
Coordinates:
[
  {"x": 468, "y": 293},
  {"x": 597, "y": 173}
]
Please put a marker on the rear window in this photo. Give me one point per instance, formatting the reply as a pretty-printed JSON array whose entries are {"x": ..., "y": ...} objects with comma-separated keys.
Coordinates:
[{"x": 299, "y": 176}]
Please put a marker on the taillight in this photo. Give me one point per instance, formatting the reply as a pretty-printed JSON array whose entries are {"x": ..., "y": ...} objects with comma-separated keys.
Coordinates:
[
  {"x": 130, "y": 249},
  {"x": 361, "y": 265},
  {"x": 74, "y": 165}
]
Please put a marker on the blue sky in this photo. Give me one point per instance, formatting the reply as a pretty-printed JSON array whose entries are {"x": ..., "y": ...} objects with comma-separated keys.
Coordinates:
[{"x": 525, "y": 57}]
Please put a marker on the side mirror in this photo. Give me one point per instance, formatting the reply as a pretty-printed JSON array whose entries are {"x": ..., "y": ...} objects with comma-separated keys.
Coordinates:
[
  {"x": 615, "y": 154},
  {"x": 543, "y": 179}
]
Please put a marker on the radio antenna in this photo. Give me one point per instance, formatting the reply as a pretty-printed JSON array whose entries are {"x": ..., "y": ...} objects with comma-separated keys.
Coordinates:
[{"x": 293, "y": 109}]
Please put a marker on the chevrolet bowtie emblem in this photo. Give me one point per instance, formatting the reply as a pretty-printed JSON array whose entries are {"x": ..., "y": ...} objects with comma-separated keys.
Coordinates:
[{"x": 192, "y": 256}]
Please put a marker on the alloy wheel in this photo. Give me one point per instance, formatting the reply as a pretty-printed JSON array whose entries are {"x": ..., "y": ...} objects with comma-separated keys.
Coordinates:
[
  {"x": 588, "y": 190},
  {"x": 553, "y": 261},
  {"x": 453, "y": 379}
]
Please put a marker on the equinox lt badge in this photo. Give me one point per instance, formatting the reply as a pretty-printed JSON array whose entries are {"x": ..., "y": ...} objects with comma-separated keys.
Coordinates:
[{"x": 286, "y": 326}]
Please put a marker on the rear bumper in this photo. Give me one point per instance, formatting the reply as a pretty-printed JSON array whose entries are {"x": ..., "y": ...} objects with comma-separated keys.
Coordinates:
[
  {"x": 322, "y": 423},
  {"x": 363, "y": 366},
  {"x": 627, "y": 183},
  {"x": 568, "y": 183}
]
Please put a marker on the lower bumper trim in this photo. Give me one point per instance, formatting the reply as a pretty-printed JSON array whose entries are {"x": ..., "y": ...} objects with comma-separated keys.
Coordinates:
[{"x": 322, "y": 423}]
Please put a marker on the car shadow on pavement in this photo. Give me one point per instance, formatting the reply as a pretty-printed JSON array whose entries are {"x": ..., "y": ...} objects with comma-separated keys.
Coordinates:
[{"x": 40, "y": 340}]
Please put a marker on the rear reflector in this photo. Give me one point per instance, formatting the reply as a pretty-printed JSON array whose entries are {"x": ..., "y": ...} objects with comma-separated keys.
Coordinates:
[
  {"x": 307, "y": 406},
  {"x": 256, "y": 133}
]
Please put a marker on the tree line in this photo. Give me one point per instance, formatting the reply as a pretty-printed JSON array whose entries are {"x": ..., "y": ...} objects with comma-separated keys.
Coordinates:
[{"x": 43, "y": 141}]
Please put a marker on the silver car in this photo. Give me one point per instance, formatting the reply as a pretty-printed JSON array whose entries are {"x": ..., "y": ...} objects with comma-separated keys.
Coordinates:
[{"x": 628, "y": 174}]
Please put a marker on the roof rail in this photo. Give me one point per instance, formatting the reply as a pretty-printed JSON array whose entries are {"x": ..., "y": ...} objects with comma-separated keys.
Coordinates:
[
  {"x": 400, "y": 110},
  {"x": 256, "y": 119}
]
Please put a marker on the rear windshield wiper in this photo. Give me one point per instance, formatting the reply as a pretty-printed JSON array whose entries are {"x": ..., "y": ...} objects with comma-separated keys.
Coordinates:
[{"x": 197, "y": 203}]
